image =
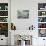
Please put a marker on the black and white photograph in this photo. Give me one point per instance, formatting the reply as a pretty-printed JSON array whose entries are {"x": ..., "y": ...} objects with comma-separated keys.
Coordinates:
[{"x": 22, "y": 14}]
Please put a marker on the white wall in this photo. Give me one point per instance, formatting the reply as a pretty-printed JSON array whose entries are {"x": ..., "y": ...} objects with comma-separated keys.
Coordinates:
[{"x": 23, "y": 24}]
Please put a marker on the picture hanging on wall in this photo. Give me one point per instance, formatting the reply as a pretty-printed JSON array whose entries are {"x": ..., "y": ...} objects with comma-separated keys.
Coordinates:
[{"x": 22, "y": 14}]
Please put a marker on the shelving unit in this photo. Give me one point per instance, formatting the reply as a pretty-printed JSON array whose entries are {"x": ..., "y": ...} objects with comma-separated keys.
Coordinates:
[
  {"x": 42, "y": 19},
  {"x": 4, "y": 19}
]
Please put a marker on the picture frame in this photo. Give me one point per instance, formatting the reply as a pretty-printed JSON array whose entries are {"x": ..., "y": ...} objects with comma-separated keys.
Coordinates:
[{"x": 22, "y": 14}]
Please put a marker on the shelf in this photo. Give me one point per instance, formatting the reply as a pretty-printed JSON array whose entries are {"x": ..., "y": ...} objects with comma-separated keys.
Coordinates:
[
  {"x": 41, "y": 28},
  {"x": 3, "y": 22},
  {"x": 3, "y": 16},
  {"x": 41, "y": 22},
  {"x": 42, "y": 16},
  {"x": 41, "y": 10}
]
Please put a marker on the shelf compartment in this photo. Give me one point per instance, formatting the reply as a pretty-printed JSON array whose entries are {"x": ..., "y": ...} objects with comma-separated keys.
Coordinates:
[
  {"x": 41, "y": 25},
  {"x": 41, "y": 6},
  {"x": 3, "y": 19},
  {"x": 4, "y": 29},
  {"x": 41, "y": 13},
  {"x": 4, "y": 32},
  {"x": 42, "y": 32},
  {"x": 3, "y": 6},
  {"x": 3, "y": 26},
  {"x": 41, "y": 19},
  {"x": 3, "y": 13}
]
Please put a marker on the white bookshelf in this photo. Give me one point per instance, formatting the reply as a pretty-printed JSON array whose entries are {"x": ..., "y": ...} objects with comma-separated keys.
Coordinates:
[{"x": 41, "y": 19}]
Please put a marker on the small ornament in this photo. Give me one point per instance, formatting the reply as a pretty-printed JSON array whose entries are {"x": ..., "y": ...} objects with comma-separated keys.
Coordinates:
[{"x": 31, "y": 27}]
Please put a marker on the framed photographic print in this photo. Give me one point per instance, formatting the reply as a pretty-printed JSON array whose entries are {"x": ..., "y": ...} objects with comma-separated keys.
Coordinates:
[{"x": 22, "y": 14}]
